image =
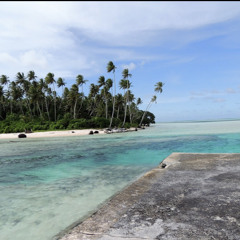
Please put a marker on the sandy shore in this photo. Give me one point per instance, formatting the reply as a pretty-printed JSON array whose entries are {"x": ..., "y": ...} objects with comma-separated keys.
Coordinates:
[
  {"x": 52, "y": 133},
  {"x": 63, "y": 133}
]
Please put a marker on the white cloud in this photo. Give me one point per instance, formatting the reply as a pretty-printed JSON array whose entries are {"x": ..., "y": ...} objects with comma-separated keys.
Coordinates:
[
  {"x": 32, "y": 59},
  {"x": 6, "y": 58},
  {"x": 73, "y": 37},
  {"x": 129, "y": 66},
  {"x": 230, "y": 90}
]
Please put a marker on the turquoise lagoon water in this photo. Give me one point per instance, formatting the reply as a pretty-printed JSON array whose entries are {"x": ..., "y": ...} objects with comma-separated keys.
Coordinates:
[{"x": 48, "y": 183}]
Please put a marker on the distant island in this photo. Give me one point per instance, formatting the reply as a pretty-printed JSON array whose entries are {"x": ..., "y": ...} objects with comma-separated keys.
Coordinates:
[{"x": 31, "y": 104}]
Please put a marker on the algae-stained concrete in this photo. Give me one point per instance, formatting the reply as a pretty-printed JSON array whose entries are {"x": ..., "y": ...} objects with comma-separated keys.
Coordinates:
[{"x": 196, "y": 196}]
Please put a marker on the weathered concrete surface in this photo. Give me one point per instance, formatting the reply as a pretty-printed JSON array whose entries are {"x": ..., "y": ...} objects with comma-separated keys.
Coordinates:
[{"x": 197, "y": 196}]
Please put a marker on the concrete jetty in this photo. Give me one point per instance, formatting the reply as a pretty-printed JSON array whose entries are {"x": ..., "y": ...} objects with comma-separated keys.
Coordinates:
[{"x": 195, "y": 196}]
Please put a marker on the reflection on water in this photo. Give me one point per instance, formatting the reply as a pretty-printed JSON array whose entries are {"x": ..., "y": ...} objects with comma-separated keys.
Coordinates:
[{"x": 47, "y": 184}]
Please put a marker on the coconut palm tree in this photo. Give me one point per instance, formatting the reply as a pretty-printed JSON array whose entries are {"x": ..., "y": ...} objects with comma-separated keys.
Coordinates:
[
  {"x": 80, "y": 81},
  {"x": 125, "y": 84},
  {"x": 73, "y": 97},
  {"x": 31, "y": 76},
  {"x": 94, "y": 89},
  {"x": 44, "y": 87},
  {"x": 4, "y": 80},
  {"x": 158, "y": 88},
  {"x": 126, "y": 75},
  {"x": 102, "y": 83},
  {"x": 153, "y": 99},
  {"x": 49, "y": 79},
  {"x": 60, "y": 83},
  {"x": 111, "y": 68}
]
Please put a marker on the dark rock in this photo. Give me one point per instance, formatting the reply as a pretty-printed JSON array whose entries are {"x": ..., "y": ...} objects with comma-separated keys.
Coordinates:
[
  {"x": 22, "y": 135},
  {"x": 73, "y": 132},
  {"x": 135, "y": 129},
  {"x": 164, "y": 165},
  {"x": 96, "y": 132},
  {"x": 91, "y": 132}
]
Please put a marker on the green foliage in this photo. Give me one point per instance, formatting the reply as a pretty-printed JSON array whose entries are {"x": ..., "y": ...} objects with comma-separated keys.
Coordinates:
[
  {"x": 98, "y": 122},
  {"x": 27, "y": 103},
  {"x": 78, "y": 124}
]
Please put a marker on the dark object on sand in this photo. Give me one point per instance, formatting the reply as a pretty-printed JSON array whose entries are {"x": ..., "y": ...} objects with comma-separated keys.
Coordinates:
[
  {"x": 135, "y": 129},
  {"x": 22, "y": 135},
  {"x": 164, "y": 165},
  {"x": 73, "y": 132},
  {"x": 96, "y": 132},
  {"x": 91, "y": 132}
]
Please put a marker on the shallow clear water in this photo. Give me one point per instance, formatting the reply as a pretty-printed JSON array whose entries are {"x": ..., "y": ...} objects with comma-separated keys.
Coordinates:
[{"x": 48, "y": 183}]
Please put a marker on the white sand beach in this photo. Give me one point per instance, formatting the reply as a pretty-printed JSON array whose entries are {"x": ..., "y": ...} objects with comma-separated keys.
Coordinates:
[
  {"x": 62, "y": 133},
  {"x": 52, "y": 133}
]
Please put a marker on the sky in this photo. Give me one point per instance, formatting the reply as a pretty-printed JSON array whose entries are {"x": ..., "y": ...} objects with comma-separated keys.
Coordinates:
[{"x": 192, "y": 47}]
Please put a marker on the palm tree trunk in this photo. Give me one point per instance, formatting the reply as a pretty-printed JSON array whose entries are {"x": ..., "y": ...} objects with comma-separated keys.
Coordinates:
[
  {"x": 39, "y": 109},
  {"x": 47, "y": 107},
  {"x": 113, "y": 101},
  {"x": 118, "y": 112},
  {"x": 148, "y": 106},
  {"x": 74, "y": 110}
]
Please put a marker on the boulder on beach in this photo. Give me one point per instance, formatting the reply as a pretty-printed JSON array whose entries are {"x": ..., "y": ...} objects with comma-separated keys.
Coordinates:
[
  {"x": 22, "y": 135},
  {"x": 91, "y": 132},
  {"x": 96, "y": 132}
]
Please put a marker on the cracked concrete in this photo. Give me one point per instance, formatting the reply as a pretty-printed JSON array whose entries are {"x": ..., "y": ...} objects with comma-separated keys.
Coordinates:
[{"x": 196, "y": 196}]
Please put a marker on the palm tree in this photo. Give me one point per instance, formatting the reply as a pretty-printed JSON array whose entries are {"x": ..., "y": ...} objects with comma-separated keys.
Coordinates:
[
  {"x": 4, "y": 80},
  {"x": 111, "y": 68},
  {"x": 119, "y": 103},
  {"x": 102, "y": 82},
  {"x": 36, "y": 95},
  {"x": 2, "y": 106},
  {"x": 60, "y": 83},
  {"x": 126, "y": 75},
  {"x": 125, "y": 84},
  {"x": 80, "y": 81},
  {"x": 94, "y": 89},
  {"x": 158, "y": 88},
  {"x": 73, "y": 98},
  {"x": 43, "y": 86},
  {"x": 49, "y": 79},
  {"x": 31, "y": 76}
]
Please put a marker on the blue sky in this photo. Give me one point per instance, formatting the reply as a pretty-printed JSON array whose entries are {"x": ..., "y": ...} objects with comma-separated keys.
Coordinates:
[{"x": 192, "y": 47}]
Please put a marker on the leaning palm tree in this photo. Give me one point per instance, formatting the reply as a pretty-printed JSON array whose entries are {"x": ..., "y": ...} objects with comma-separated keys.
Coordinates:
[
  {"x": 158, "y": 88},
  {"x": 153, "y": 99},
  {"x": 111, "y": 68}
]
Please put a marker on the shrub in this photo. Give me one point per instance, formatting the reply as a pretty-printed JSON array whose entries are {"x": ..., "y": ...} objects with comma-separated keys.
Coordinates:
[{"x": 98, "y": 122}]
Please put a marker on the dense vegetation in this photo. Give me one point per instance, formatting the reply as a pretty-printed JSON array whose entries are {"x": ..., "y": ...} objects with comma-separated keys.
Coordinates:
[{"x": 31, "y": 103}]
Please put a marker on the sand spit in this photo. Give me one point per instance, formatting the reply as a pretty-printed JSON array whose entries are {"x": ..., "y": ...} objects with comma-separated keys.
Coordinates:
[{"x": 65, "y": 133}]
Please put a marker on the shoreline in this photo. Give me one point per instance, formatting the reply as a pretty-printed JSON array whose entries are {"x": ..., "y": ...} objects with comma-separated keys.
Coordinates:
[{"x": 62, "y": 133}]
